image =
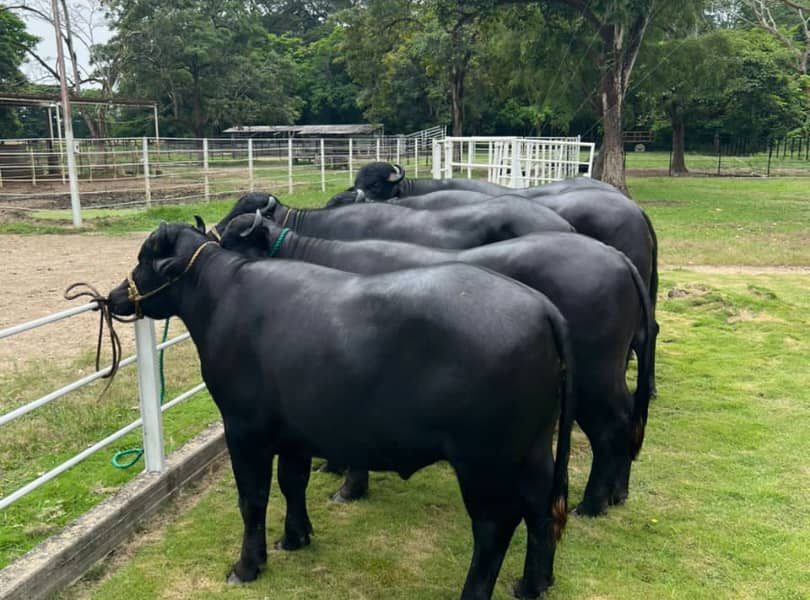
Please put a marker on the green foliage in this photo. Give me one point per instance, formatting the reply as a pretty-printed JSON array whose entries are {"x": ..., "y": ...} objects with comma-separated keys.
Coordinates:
[
  {"x": 211, "y": 65},
  {"x": 14, "y": 40}
]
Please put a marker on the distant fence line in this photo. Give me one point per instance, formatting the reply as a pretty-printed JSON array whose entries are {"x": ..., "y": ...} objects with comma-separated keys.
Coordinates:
[
  {"x": 724, "y": 155},
  {"x": 119, "y": 172}
]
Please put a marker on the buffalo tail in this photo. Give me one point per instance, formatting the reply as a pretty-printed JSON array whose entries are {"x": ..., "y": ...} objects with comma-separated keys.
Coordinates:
[
  {"x": 559, "y": 489},
  {"x": 643, "y": 348}
]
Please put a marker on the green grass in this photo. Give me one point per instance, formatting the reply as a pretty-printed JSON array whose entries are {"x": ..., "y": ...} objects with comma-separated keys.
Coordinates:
[
  {"x": 43, "y": 439},
  {"x": 728, "y": 221},
  {"x": 718, "y": 505}
]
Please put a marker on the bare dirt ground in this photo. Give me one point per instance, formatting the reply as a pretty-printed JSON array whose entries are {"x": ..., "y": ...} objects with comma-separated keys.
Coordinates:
[{"x": 36, "y": 269}]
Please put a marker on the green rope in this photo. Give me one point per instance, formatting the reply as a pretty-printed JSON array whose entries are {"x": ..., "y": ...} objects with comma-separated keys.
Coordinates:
[
  {"x": 279, "y": 241},
  {"x": 136, "y": 453}
]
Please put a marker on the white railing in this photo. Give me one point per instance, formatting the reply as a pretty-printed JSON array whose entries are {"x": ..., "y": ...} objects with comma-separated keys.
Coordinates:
[
  {"x": 431, "y": 133},
  {"x": 146, "y": 357},
  {"x": 145, "y": 171},
  {"x": 513, "y": 161}
]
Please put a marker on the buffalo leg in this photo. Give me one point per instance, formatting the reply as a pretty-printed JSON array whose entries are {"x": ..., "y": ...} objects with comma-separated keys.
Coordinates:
[
  {"x": 536, "y": 494},
  {"x": 252, "y": 463},
  {"x": 490, "y": 495},
  {"x": 610, "y": 469},
  {"x": 354, "y": 487},
  {"x": 293, "y": 477}
]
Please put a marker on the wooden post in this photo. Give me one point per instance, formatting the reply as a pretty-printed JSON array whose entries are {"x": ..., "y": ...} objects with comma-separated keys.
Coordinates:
[{"x": 146, "y": 185}]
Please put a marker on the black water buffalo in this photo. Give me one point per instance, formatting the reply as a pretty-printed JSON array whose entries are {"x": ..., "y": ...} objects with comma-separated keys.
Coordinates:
[
  {"x": 593, "y": 208},
  {"x": 380, "y": 181},
  {"x": 456, "y": 228},
  {"x": 596, "y": 288},
  {"x": 388, "y": 372}
]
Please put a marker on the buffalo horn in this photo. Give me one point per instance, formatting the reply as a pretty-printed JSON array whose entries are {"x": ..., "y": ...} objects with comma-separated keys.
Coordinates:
[
  {"x": 257, "y": 219},
  {"x": 397, "y": 175}
]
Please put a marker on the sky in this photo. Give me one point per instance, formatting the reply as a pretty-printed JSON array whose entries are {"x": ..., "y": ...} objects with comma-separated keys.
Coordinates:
[{"x": 84, "y": 12}]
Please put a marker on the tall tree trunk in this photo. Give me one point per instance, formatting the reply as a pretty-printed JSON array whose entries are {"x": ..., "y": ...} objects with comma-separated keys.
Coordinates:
[
  {"x": 678, "y": 140},
  {"x": 610, "y": 163},
  {"x": 456, "y": 98}
]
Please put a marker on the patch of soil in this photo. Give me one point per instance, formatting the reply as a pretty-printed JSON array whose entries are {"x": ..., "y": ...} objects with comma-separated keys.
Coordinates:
[
  {"x": 744, "y": 269},
  {"x": 35, "y": 270}
]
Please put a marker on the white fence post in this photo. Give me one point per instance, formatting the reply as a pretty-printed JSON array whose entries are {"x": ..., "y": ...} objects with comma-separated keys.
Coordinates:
[
  {"x": 250, "y": 163},
  {"x": 351, "y": 163},
  {"x": 470, "y": 158},
  {"x": 416, "y": 158},
  {"x": 436, "y": 167},
  {"x": 378, "y": 149},
  {"x": 398, "y": 151},
  {"x": 515, "y": 163},
  {"x": 147, "y": 189},
  {"x": 448, "y": 159},
  {"x": 149, "y": 392},
  {"x": 289, "y": 165},
  {"x": 33, "y": 168},
  {"x": 1, "y": 179},
  {"x": 323, "y": 167},
  {"x": 205, "y": 170}
]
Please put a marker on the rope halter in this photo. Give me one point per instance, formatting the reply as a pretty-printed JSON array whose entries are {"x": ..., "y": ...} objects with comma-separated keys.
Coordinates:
[{"x": 136, "y": 297}]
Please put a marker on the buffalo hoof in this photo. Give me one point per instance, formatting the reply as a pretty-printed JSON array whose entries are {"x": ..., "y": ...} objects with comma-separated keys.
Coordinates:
[
  {"x": 584, "y": 509},
  {"x": 618, "y": 499},
  {"x": 240, "y": 574},
  {"x": 523, "y": 590},
  {"x": 292, "y": 543},
  {"x": 339, "y": 498}
]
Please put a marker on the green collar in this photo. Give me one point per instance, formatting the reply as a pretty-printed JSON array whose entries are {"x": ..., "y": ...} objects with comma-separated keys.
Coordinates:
[{"x": 278, "y": 242}]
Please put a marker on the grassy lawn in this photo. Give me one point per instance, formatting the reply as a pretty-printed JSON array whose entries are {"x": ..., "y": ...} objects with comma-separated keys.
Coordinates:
[
  {"x": 717, "y": 221},
  {"x": 718, "y": 505},
  {"x": 50, "y": 435}
]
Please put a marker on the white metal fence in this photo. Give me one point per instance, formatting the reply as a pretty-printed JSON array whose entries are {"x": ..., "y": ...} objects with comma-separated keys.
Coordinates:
[
  {"x": 513, "y": 161},
  {"x": 145, "y": 171},
  {"x": 122, "y": 172},
  {"x": 146, "y": 358}
]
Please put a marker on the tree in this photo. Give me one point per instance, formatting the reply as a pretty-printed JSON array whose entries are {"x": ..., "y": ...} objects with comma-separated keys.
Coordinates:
[
  {"x": 210, "y": 64},
  {"x": 789, "y": 22},
  {"x": 404, "y": 52},
  {"x": 80, "y": 21},
  {"x": 15, "y": 42},
  {"x": 687, "y": 79},
  {"x": 619, "y": 27}
]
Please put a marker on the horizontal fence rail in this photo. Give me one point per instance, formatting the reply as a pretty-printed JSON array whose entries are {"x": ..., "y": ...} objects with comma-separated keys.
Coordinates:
[{"x": 146, "y": 351}]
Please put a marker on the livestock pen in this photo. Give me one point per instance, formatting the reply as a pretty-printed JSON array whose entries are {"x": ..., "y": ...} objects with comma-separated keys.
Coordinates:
[{"x": 717, "y": 503}]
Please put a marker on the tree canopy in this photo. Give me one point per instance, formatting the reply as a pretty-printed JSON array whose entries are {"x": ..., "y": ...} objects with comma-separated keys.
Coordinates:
[{"x": 560, "y": 67}]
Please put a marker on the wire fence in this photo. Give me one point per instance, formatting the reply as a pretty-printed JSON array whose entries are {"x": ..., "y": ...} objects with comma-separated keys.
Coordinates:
[
  {"x": 145, "y": 171},
  {"x": 724, "y": 155}
]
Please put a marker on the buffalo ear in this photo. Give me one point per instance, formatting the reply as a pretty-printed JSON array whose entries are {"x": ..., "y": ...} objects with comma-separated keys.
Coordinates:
[
  {"x": 167, "y": 267},
  {"x": 200, "y": 223}
]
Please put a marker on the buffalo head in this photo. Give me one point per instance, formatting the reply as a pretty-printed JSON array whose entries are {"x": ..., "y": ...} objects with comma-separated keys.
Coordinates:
[
  {"x": 249, "y": 204},
  {"x": 379, "y": 180},
  {"x": 165, "y": 256},
  {"x": 251, "y": 236}
]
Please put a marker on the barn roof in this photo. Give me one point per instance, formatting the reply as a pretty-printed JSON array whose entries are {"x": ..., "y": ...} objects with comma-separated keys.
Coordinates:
[{"x": 294, "y": 130}]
